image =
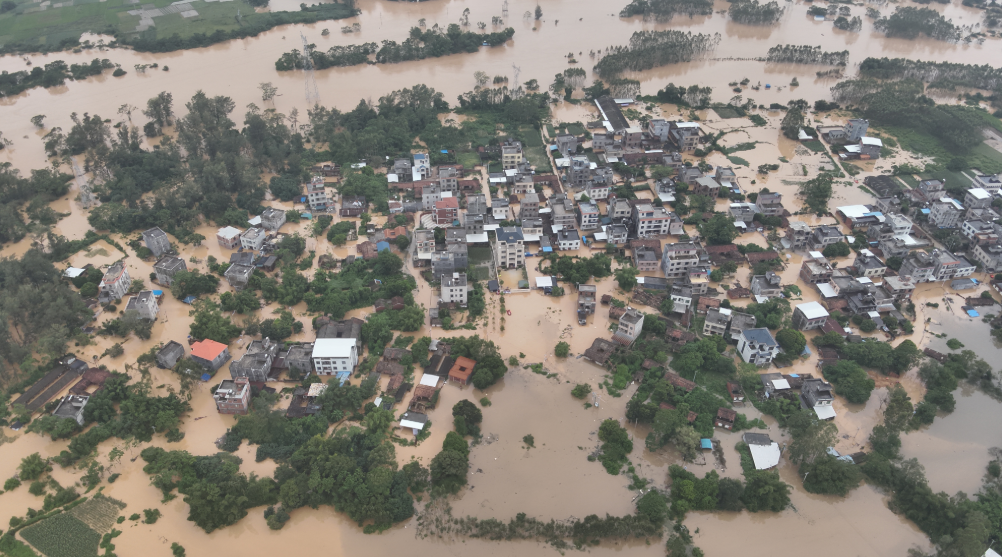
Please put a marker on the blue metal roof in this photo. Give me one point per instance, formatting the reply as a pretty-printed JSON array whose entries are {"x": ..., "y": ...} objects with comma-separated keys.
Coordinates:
[
  {"x": 382, "y": 246},
  {"x": 706, "y": 443},
  {"x": 972, "y": 313}
]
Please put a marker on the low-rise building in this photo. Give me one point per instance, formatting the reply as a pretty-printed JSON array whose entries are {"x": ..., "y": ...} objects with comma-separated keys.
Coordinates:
[
  {"x": 817, "y": 395},
  {"x": 989, "y": 256},
  {"x": 869, "y": 265},
  {"x": 824, "y": 236},
  {"x": 167, "y": 267},
  {"x": 210, "y": 354},
  {"x": 949, "y": 266},
  {"x": 770, "y": 204},
  {"x": 706, "y": 185},
  {"x": 447, "y": 211},
  {"x": 232, "y": 396},
  {"x": 228, "y": 237},
  {"x": 253, "y": 238},
  {"x": 568, "y": 239},
  {"x": 168, "y": 356},
  {"x": 756, "y": 346},
  {"x": 649, "y": 220},
  {"x": 946, "y": 213},
  {"x": 740, "y": 322},
  {"x": 238, "y": 275},
  {"x": 71, "y": 407},
  {"x": 899, "y": 288},
  {"x": 990, "y": 183},
  {"x": 645, "y": 259},
  {"x": 586, "y": 299},
  {"x": 316, "y": 195},
  {"x": 815, "y": 269},
  {"x": 743, "y": 212},
  {"x": 588, "y": 216},
  {"x": 631, "y": 324},
  {"x": 809, "y": 316},
  {"x": 156, "y": 240},
  {"x": 619, "y": 209},
  {"x": 676, "y": 259},
  {"x": 454, "y": 288},
  {"x": 144, "y": 304},
  {"x": 798, "y": 234},
  {"x": 272, "y": 219},
  {"x": 918, "y": 265},
  {"x": 333, "y": 355},
  {"x": 529, "y": 206},
  {"x": 115, "y": 283},
  {"x": 716, "y": 321},
  {"x": 767, "y": 285},
  {"x": 977, "y": 198},
  {"x": 255, "y": 363}
]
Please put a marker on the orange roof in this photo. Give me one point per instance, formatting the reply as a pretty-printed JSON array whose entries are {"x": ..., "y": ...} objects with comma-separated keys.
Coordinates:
[
  {"x": 462, "y": 369},
  {"x": 207, "y": 349}
]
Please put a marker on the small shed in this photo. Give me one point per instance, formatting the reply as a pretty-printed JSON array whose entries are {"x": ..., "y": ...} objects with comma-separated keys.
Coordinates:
[{"x": 725, "y": 418}]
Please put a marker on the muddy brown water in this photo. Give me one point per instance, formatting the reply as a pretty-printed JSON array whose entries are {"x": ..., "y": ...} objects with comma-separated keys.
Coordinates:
[{"x": 553, "y": 480}]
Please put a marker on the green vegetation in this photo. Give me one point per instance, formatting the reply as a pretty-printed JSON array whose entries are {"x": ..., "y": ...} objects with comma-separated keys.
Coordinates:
[
  {"x": 667, "y": 9},
  {"x": 758, "y": 120},
  {"x": 581, "y": 390},
  {"x": 62, "y": 535},
  {"x": 816, "y": 192},
  {"x": 52, "y": 74},
  {"x": 751, "y": 12},
  {"x": 651, "y": 49},
  {"x": 806, "y": 54},
  {"x": 562, "y": 350},
  {"x": 616, "y": 446},
  {"x": 421, "y": 44},
  {"x": 954, "y": 344},
  {"x": 530, "y": 441},
  {"x": 909, "y": 22}
]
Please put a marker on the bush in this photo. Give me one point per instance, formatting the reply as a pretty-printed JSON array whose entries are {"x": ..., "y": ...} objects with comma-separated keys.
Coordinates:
[
  {"x": 581, "y": 390},
  {"x": 37, "y": 488},
  {"x": 562, "y": 349},
  {"x": 11, "y": 483},
  {"x": 177, "y": 550},
  {"x": 119, "y": 72},
  {"x": 529, "y": 441},
  {"x": 868, "y": 326},
  {"x": 468, "y": 411},
  {"x": 616, "y": 446},
  {"x": 152, "y": 516}
]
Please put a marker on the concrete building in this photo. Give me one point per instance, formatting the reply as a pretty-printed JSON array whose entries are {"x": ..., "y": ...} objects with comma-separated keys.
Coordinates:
[
  {"x": 71, "y": 407},
  {"x": 454, "y": 288},
  {"x": 767, "y": 285},
  {"x": 447, "y": 211},
  {"x": 145, "y": 304},
  {"x": 824, "y": 236},
  {"x": 256, "y": 363},
  {"x": 566, "y": 144},
  {"x": 756, "y": 346},
  {"x": 918, "y": 265},
  {"x": 157, "y": 241},
  {"x": 333, "y": 355},
  {"x": 619, "y": 209},
  {"x": 511, "y": 154},
  {"x": 949, "y": 266},
  {"x": 631, "y": 324},
  {"x": 529, "y": 207},
  {"x": 716, "y": 322},
  {"x": 658, "y": 127},
  {"x": 210, "y": 354},
  {"x": 586, "y": 299},
  {"x": 946, "y": 213},
  {"x": 817, "y": 395},
  {"x": 742, "y": 212},
  {"x": 855, "y": 129},
  {"x": 770, "y": 204},
  {"x": 253, "y": 238},
  {"x": 562, "y": 211},
  {"x": 676, "y": 259},
  {"x": 168, "y": 356},
  {"x": 740, "y": 322},
  {"x": 811, "y": 315},
  {"x": 649, "y": 221},
  {"x": 115, "y": 283},
  {"x": 706, "y": 185},
  {"x": 238, "y": 275},
  {"x": 568, "y": 239},
  {"x": 989, "y": 256},
  {"x": 684, "y": 135},
  {"x": 316, "y": 196},
  {"x": 869, "y": 265},
  {"x": 232, "y": 396},
  {"x": 815, "y": 269},
  {"x": 510, "y": 248},
  {"x": 346, "y": 328},
  {"x": 167, "y": 267},
  {"x": 990, "y": 183},
  {"x": 645, "y": 259},
  {"x": 272, "y": 219},
  {"x": 588, "y": 216},
  {"x": 977, "y": 198},
  {"x": 899, "y": 288},
  {"x": 228, "y": 237},
  {"x": 798, "y": 234}
]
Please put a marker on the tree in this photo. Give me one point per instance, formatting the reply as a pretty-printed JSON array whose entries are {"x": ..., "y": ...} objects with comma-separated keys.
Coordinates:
[
  {"x": 562, "y": 349},
  {"x": 838, "y": 249},
  {"x": 468, "y": 411},
  {"x": 729, "y": 494},
  {"x": 448, "y": 471},
  {"x": 539, "y": 12},
  {"x": 39, "y": 119},
  {"x": 765, "y": 491},
  {"x": 160, "y": 110},
  {"x": 811, "y": 437},
  {"x": 268, "y": 91},
  {"x": 455, "y": 442},
  {"x": 816, "y": 192},
  {"x": 626, "y": 277},
  {"x": 792, "y": 341},
  {"x": 792, "y": 123},
  {"x": 32, "y": 467},
  {"x": 210, "y": 323},
  {"x": 581, "y": 390},
  {"x": 10, "y": 5},
  {"x": 667, "y": 306},
  {"x": 654, "y": 507},
  {"x": 720, "y": 230},
  {"x": 850, "y": 380}
]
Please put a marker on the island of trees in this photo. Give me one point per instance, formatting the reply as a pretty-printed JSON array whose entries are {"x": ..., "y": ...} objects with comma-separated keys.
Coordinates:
[
  {"x": 806, "y": 54},
  {"x": 651, "y": 49}
]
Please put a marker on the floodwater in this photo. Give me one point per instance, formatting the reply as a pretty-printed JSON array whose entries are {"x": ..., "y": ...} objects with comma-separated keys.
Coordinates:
[{"x": 554, "y": 479}]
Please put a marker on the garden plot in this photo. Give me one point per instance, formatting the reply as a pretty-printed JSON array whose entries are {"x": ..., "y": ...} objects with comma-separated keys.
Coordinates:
[
  {"x": 63, "y": 535},
  {"x": 99, "y": 513}
]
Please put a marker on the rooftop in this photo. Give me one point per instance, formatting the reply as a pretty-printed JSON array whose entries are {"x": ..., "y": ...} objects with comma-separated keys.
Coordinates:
[
  {"x": 812, "y": 310},
  {"x": 207, "y": 349},
  {"x": 333, "y": 347},
  {"x": 759, "y": 335}
]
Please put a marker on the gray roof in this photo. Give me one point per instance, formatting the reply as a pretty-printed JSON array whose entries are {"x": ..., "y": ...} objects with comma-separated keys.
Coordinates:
[
  {"x": 756, "y": 439},
  {"x": 169, "y": 262},
  {"x": 631, "y": 316},
  {"x": 154, "y": 232},
  {"x": 760, "y": 335},
  {"x": 510, "y": 235}
]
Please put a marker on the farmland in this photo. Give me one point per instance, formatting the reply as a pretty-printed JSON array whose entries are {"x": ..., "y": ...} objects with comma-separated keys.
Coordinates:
[
  {"x": 99, "y": 513},
  {"x": 63, "y": 535}
]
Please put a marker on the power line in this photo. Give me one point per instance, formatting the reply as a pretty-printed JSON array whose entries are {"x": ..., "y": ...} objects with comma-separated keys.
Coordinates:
[{"x": 312, "y": 94}]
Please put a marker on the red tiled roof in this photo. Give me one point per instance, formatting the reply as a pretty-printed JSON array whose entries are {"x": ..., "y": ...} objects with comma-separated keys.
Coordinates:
[{"x": 207, "y": 349}]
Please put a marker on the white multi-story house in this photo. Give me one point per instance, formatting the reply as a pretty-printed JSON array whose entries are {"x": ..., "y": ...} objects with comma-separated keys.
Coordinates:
[
  {"x": 228, "y": 237},
  {"x": 454, "y": 288},
  {"x": 511, "y": 154},
  {"x": 157, "y": 241},
  {"x": 676, "y": 259},
  {"x": 568, "y": 239},
  {"x": 316, "y": 195},
  {"x": 990, "y": 183},
  {"x": 115, "y": 283},
  {"x": 253, "y": 238},
  {"x": 272, "y": 219},
  {"x": 145, "y": 304},
  {"x": 510, "y": 248},
  {"x": 949, "y": 266},
  {"x": 588, "y": 216},
  {"x": 649, "y": 220},
  {"x": 332, "y": 355},
  {"x": 757, "y": 346},
  {"x": 946, "y": 213}
]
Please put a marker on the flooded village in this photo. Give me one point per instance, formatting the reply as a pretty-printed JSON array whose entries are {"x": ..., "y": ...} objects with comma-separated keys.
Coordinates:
[{"x": 464, "y": 309}]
